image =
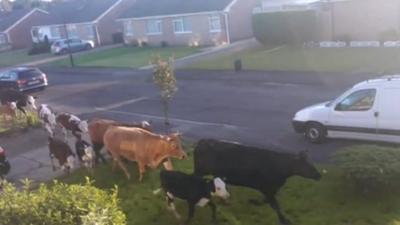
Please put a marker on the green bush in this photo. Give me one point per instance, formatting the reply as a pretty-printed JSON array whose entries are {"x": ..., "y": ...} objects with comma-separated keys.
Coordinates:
[
  {"x": 370, "y": 167},
  {"x": 290, "y": 27},
  {"x": 59, "y": 204}
]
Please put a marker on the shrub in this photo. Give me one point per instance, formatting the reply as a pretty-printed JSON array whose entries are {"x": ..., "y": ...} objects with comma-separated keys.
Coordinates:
[
  {"x": 290, "y": 27},
  {"x": 59, "y": 204},
  {"x": 370, "y": 167},
  {"x": 39, "y": 48}
]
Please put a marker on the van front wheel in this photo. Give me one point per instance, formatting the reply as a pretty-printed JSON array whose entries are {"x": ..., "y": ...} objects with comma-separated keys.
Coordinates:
[{"x": 315, "y": 132}]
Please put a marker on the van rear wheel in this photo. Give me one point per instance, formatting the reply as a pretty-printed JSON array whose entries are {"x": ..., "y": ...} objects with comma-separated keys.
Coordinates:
[{"x": 315, "y": 132}]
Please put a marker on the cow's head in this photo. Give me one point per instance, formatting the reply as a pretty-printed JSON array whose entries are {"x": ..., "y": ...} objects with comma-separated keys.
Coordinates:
[
  {"x": 83, "y": 126},
  {"x": 176, "y": 150},
  {"x": 303, "y": 167},
  {"x": 218, "y": 188},
  {"x": 146, "y": 125},
  {"x": 31, "y": 103}
]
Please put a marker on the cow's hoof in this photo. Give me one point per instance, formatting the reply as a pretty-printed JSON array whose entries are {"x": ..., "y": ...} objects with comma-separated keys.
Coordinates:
[{"x": 255, "y": 202}]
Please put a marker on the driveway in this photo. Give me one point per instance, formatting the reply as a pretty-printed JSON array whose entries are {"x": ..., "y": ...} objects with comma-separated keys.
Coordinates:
[{"x": 254, "y": 108}]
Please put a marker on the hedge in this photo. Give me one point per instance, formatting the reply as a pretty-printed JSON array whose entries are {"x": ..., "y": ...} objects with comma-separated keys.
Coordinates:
[
  {"x": 287, "y": 27},
  {"x": 59, "y": 204}
]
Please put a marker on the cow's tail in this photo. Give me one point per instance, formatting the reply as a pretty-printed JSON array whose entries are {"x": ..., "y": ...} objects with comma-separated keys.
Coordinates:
[{"x": 157, "y": 192}]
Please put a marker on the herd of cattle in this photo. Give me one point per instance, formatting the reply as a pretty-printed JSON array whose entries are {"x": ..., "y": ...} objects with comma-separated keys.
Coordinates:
[{"x": 231, "y": 163}]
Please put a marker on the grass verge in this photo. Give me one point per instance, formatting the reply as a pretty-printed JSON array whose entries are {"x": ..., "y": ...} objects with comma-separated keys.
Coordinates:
[
  {"x": 127, "y": 57},
  {"x": 19, "y": 123},
  {"x": 17, "y": 57},
  {"x": 292, "y": 58},
  {"x": 330, "y": 201}
]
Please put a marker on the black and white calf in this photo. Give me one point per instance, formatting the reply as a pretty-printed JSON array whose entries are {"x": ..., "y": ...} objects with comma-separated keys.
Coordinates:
[
  {"x": 72, "y": 123},
  {"x": 195, "y": 190},
  {"x": 85, "y": 152},
  {"x": 22, "y": 100},
  {"x": 48, "y": 118}
]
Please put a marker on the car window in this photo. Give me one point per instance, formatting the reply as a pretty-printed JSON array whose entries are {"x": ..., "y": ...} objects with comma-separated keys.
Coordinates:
[
  {"x": 29, "y": 74},
  {"x": 8, "y": 76},
  {"x": 361, "y": 100}
]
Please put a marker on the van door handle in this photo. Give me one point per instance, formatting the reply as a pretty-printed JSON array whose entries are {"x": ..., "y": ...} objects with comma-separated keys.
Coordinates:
[{"x": 376, "y": 114}]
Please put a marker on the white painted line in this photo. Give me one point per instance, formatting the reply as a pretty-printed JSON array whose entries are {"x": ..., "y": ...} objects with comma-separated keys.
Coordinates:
[
  {"x": 119, "y": 104},
  {"x": 274, "y": 49},
  {"x": 172, "y": 119}
]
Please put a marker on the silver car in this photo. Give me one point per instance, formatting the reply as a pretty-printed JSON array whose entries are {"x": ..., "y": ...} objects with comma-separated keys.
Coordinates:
[{"x": 60, "y": 47}]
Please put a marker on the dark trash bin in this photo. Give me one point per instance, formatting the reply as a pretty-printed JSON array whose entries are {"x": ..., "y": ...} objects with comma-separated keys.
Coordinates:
[{"x": 238, "y": 65}]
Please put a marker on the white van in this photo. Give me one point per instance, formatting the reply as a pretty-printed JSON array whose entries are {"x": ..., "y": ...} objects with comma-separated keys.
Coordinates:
[{"x": 368, "y": 111}]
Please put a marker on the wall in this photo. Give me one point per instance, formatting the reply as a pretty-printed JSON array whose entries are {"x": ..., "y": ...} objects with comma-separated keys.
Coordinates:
[
  {"x": 108, "y": 25},
  {"x": 360, "y": 20},
  {"x": 200, "y": 32},
  {"x": 240, "y": 19},
  {"x": 20, "y": 35}
]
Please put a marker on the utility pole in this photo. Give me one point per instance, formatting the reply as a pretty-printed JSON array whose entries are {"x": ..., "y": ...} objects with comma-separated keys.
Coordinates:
[{"x": 71, "y": 58}]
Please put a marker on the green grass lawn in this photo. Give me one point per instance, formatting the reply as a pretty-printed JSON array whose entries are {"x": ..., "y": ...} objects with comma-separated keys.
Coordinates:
[
  {"x": 288, "y": 58},
  {"x": 17, "y": 57},
  {"x": 128, "y": 57},
  {"x": 329, "y": 201}
]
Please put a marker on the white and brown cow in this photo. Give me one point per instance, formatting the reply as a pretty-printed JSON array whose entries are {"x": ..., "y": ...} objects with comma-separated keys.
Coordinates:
[
  {"x": 144, "y": 147},
  {"x": 8, "y": 110},
  {"x": 72, "y": 123},
  {"x": 48, "y": 118},
  {"x": 63, "y": 153}
]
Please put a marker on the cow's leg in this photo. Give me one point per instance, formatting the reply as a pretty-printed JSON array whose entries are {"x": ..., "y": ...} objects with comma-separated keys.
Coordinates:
[
  {"x": 65, "y": 133},
  {"x": 142, "y": 170},
  {"x": 123, "y": 167},
  {"x": 271, "y": 200},
  {"x": 49, "y": 130},
  {"x": 191, "y": 210},
  {"x": 213, "y": 210},
  {"x": 171, "y": 206},
  {"x": 97, "y": 152},
  {"x": 52, "y": 162}
]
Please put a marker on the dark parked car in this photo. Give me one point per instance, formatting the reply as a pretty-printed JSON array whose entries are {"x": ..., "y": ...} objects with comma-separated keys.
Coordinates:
[{"x": 22, "y": 78}]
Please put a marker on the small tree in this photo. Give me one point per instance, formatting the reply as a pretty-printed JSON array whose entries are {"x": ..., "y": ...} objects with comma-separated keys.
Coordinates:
[{"x": 164, "y": 78}]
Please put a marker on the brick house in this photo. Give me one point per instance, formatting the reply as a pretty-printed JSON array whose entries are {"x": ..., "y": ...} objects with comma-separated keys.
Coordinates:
[
  {"x": 188, "y": 22},
  {"x": 84, "y": 19},
  {"x": 15, "y": 27}
]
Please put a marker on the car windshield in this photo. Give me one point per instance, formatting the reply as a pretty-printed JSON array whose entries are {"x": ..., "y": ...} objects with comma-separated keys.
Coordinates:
[
  {"x": 200, "y": 112},
  {"x": 8, "y": 76}
]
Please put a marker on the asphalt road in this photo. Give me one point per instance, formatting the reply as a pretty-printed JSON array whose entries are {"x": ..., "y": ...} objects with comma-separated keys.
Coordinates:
[{"x": 253, "y": 108}]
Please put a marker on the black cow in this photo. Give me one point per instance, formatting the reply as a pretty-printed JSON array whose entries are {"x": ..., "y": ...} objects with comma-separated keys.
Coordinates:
[
  {"x": 22, "y": 100},
  {"x": 260, "y": 169},
  {"x": 195, "y": 190}
]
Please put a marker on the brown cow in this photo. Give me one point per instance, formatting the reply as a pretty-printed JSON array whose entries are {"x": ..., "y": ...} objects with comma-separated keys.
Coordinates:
[
  {"x": 62, "y": 152},
  {"x": 98, "y": 127},
  {"x": 144, "y": 147}
]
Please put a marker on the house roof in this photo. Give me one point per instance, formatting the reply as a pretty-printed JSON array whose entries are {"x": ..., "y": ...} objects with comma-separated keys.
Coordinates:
[
  {"x": 78, "y": 11},
  {"x": 7, "y": 19},
  {"x": 150, "y": 8}
]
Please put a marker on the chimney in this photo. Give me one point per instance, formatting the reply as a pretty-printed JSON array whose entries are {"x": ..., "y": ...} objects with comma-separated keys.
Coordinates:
[{"x": 5, "y": 6}]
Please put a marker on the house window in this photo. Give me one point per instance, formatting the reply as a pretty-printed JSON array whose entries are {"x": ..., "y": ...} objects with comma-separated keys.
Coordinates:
[
  {"x": 154, "y": 27},
  {"x": 55, "y": 32},
  {"x": 128, "y": 28},
  {"x": 72, "y": 31},
  {"x": 89, "y": 31},
  {"x": 3, "y": 39},
  {"x": 182, "y": 25},
  {"x": 214, "y": 22}
]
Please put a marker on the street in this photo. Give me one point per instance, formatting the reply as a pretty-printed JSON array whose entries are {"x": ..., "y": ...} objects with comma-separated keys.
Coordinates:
[{"x": 253, "y": 108}]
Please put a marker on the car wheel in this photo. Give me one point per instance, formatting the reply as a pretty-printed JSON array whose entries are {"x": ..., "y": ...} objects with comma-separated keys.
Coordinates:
[
  {"x": 88, "y": 47},
  {"x": 63, "y": 51},
  {"x": 315, "y": 132}
]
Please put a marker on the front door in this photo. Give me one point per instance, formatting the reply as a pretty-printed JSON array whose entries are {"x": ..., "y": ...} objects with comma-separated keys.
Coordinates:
[
  {"x": 389, "y": 114},
  {"x": 354, "y": 116}
]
